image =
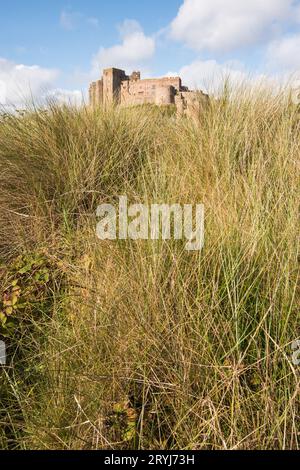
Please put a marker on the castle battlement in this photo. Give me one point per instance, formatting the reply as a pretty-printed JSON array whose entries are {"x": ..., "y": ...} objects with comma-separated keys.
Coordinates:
[{"x": 129, "y": 90}]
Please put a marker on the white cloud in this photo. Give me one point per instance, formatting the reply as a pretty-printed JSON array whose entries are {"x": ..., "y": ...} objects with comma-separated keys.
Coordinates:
[
  {"x": 224, "y": 25},
  {"x": 210, "y": 76},
  {"x": 62, "y": 96},
  {"x": 134, "y": 50},
  {"x": 284, "y": 54},
  {"x": 2, "y": 92},
  {"x": 21, "y": 82},
  {"x": 129, "y": 27}
]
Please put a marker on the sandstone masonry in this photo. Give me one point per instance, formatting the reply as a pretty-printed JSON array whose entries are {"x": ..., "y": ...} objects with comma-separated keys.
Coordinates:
[{"x": 118, "y": 88}]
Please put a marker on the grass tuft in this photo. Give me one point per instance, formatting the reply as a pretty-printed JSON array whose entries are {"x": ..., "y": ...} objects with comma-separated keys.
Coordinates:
[{"x": 140, "y": 344}]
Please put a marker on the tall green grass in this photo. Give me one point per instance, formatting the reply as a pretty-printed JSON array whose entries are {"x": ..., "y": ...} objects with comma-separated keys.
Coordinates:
[{"x": 141, "y": 344}]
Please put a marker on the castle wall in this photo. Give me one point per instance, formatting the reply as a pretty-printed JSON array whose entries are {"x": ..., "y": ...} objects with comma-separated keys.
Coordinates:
[
  {"x": 137, "y": 92},
  {"x": 92, "y": 94},
  {"x": 191, "y": 103},
  {"x": 108, "y": 87},
  {"x": 164, "y": 95},
  {"x": 96, "y": 93},
  {"x": 99, "y": 92}
]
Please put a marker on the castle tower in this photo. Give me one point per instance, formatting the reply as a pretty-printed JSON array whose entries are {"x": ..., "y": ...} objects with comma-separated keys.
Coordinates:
[
  {"x": 96, "y": 93},
  {"x": 92, "y": 94},
  {"x": 112, "y": 79}
]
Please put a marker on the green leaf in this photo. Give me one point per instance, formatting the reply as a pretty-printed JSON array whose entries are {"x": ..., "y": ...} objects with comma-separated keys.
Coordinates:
[
  {"x": 9, "y": 311},
  {"x": 25, "y": 269},
  {"x": 3, "y": 318},
  {"x": 130, "y": 431}
]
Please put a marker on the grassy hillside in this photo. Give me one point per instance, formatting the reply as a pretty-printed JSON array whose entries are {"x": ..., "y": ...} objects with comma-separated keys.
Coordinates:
[{"x": 141, "y": 344}]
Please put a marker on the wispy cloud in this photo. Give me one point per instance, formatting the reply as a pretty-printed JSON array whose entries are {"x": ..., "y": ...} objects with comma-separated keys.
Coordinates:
[
  {"x": 70, "y": 20},
  {"x": 93, "y": 21}
]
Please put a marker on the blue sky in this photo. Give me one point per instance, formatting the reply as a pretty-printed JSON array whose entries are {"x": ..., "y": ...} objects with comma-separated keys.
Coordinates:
[{"x": 61, "y": 46}]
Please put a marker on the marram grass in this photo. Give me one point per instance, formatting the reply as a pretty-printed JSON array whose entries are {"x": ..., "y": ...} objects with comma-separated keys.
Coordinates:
[{"x": 141, "y": 344}]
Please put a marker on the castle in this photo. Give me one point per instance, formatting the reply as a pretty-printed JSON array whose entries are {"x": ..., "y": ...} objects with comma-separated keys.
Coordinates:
[{"x": 117, "y": 87}]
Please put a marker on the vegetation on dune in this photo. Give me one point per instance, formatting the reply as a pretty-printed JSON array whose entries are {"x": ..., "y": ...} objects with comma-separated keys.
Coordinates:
[{"x": 141, "y": 344}]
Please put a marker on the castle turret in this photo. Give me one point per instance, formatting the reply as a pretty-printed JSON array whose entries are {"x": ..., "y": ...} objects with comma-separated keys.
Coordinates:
[
  {"x": 135, "y": 76},
  {"x": 96, "y": 93}
]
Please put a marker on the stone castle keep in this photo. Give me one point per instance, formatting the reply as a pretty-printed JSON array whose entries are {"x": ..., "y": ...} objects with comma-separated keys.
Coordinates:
[{"x": 117, "y": 87}]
